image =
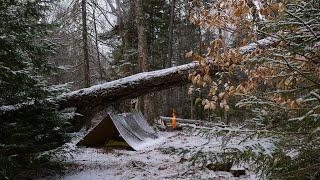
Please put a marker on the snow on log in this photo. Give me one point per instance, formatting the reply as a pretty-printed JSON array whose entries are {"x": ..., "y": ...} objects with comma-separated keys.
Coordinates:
[
  {"x": 128, "y": 87},
  {"x": 261, "y": 44}
]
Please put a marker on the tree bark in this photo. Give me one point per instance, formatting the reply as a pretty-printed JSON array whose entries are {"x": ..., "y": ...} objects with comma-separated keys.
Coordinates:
[
  {"x": 142, "y": 39},
  {"x": 85, "y": 44},
  {"x": 143, "y": 57},
  {"x": 100, "y": 68}
]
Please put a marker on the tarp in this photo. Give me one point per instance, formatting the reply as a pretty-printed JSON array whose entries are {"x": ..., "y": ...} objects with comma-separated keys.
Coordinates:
[{"x": 131, "y": 126}]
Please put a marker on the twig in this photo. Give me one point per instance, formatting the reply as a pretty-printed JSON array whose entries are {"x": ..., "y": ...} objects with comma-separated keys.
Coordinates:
[
  {"x": 300, "y": 20},
  {"x": 316, "y": 95},
  {"x": 142, "y": 168},
  {"x": 297, "y": 70},
  {"x": 175, "y": 174}
]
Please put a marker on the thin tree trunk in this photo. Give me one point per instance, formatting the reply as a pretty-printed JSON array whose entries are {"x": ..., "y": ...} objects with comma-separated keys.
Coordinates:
[
  {"x": 85, "y": 51},
  {"x": 85, "y": 44},
  {"x": 120, "y": 22},
  {"x": 143, "y": 56},
  {"x": 171, "y": 62},
  {"x": 142, "y": 39},
  {"x": 97, "y": 46},
  {"x": 191, "y": 107}
]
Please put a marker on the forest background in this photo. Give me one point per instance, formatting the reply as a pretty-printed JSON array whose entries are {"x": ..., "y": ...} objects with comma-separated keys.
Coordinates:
[{"x": 51, "y": 47}]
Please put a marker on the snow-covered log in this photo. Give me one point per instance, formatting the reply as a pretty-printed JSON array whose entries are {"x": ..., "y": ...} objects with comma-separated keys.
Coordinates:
[
  {"x": 128, "y": 87},
  {"x": 261, "y": 44},
  {"x": 89, "y": 101}
]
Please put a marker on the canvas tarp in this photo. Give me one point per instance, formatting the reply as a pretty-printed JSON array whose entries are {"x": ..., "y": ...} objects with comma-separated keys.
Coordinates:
[{"x": 131, "y": 126}]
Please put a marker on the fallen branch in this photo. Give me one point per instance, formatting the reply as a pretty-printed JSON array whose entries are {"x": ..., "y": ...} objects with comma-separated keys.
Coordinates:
[{"x": 188, "y": 121}]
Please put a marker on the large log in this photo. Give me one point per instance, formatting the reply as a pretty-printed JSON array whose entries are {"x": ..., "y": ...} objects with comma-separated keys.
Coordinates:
[
  {"x": 89, "y": 101},
  {"x": 128, "y": 87}
]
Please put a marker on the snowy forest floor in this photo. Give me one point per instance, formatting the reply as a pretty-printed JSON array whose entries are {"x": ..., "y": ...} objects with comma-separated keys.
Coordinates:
[{"x": 151, "y": 163}]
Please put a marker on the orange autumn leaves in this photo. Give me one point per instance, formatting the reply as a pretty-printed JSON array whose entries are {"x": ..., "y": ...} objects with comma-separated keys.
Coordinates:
[{"x": 235, "y": 24}]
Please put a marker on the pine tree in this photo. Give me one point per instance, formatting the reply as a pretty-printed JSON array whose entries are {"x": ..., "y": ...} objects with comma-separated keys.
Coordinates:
[{"x": 29, "y": 123}]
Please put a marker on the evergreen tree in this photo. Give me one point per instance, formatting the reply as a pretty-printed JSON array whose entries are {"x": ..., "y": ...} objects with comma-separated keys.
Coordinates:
[{"x": 29, "y": 122}]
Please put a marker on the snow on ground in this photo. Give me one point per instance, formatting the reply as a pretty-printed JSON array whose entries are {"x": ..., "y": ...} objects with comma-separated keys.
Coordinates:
[{"x": 148, "y": 164}]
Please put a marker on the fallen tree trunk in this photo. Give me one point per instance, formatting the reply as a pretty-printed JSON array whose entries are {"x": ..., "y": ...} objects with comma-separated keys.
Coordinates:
[
  {"x": 128, "y": 87},
  {"x": 89, "y": 101}
]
